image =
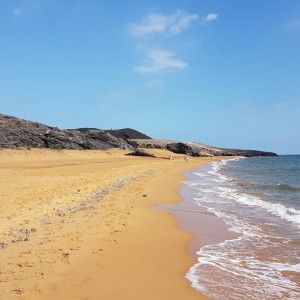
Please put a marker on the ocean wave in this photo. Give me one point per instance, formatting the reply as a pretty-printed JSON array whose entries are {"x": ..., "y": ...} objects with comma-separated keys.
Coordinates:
[
  {"x": 244, "y": 276},
  {"x": 262, "y": 262},
  {"x": 240, "y": 225},
  {"x": 289, "y": 214},
  {"x": 287, "y": 188},
  {"x": 283, "y": 187},
  {"x": 221, "y": 186}
]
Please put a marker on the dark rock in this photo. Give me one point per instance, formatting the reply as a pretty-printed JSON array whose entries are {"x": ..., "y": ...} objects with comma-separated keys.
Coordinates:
[
  {"x": 22, "y": 134},
  {"x": 197, "y": 149},
  {"x": 128, "y": 133},
  {"x": 247, "y": 153},
  {"x": 18, "y": 133},
  {"x": 182, "y": 148}
]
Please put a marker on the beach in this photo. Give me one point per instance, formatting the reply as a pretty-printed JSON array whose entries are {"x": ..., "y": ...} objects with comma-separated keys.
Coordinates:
[{"x": 86, "y": 225}]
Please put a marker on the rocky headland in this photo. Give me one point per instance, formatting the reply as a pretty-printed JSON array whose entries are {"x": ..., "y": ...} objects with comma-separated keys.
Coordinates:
[{"x": 18, "y": 133}]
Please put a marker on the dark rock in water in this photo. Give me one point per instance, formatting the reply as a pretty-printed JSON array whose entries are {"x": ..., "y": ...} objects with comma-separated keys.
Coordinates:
[{"x": 139, "y": 152}]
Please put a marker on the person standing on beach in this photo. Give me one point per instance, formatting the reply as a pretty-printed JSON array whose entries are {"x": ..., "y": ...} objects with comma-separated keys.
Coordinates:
[{"x": 186, "y": 158}]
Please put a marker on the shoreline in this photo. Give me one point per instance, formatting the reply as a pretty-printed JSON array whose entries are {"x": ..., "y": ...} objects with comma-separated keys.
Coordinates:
[
  {"x": 226, "y": 267},
  {"x": 205, "y": 226},
  {"x": 111, "y": 248}
]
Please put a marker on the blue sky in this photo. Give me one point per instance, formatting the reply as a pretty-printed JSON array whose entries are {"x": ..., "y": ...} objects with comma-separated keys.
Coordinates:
[{"x": 224, "y": 73}]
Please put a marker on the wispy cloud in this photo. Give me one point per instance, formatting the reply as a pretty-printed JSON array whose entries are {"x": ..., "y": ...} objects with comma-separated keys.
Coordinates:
[
  {"x": 210, "y": 17},
  {"x": 17, "y": 12},
  {"x": 154, "y": 84},
  {"x": 164, "y": 25},
  {"x": 158, "y": 23},
  {"x": 160, "y": 60}
]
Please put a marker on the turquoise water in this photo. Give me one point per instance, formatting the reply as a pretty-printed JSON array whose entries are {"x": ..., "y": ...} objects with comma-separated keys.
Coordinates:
[{"x": 258, "y": 198}]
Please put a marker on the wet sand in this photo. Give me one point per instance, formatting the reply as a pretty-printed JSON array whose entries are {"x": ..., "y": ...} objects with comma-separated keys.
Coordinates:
[
  {"x": 206, "y": 227},
  {"x": 83, "y": 225}
]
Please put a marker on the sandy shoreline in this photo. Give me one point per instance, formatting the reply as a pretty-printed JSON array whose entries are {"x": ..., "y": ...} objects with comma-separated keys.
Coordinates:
[
  {"x": 206, "y": 227},
  {"x": 80, "y": 225}
]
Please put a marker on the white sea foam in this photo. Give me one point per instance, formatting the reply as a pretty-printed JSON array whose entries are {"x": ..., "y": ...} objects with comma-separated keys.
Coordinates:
[
  {"x": 276, "y": 209},
  {"x": 239, "y": 225},
  {"x": 231, "y": 193},
  {"x": 251, "y": 266},
  {"x": 226, "y": 264}
]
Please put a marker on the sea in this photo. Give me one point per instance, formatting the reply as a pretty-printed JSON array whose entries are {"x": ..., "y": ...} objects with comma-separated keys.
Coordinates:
[{"x": 259, "y": 199}]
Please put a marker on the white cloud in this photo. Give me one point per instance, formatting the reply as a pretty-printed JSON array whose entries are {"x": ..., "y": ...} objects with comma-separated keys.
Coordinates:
[
  {"x": 210, "y": 17},
  {"x": 159, "y": 60},
  {"x": 182, "y": 20},
  {"x": 17, "y": 12},
  {"x": 163, "y": 24},
  {"x": 154, "y": 84}
]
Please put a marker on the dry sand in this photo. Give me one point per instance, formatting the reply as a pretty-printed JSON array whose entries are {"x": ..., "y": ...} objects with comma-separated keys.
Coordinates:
[{"x": 83, "y": 225}]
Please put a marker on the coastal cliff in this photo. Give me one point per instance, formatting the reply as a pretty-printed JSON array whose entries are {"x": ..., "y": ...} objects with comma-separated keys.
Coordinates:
[{"x": 19, "y": 133}]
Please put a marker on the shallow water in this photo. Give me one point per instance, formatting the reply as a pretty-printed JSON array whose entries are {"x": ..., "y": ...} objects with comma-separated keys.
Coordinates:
[{"x": 258, "y": 198}]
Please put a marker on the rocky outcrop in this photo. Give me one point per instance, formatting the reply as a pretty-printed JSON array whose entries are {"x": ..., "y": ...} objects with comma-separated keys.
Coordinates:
[
  {"x": 247, "y": 153},
  {"x": 16, "y": 133},
  {"x": 197, "y": 149}
]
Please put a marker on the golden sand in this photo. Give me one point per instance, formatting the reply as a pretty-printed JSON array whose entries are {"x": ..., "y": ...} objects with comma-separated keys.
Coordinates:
[{"x": 83, "y": 225}]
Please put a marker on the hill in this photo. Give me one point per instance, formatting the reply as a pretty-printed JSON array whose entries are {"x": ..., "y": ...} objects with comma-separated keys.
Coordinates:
[{"x": 18, "y": 133}]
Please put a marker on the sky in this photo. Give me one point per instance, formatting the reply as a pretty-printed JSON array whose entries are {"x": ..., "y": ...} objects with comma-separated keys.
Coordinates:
[{"x": 222, "y": 73}]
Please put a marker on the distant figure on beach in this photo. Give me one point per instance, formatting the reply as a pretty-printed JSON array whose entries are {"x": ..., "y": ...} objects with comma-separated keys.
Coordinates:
[
  {"x": 171, "y": 157},
  {"x": 186, "y": 158}
]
